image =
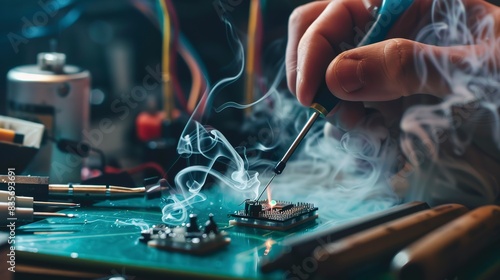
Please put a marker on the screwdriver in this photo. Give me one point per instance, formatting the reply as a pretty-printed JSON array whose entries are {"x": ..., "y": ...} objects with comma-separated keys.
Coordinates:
[{"x": 324, "y": 101}]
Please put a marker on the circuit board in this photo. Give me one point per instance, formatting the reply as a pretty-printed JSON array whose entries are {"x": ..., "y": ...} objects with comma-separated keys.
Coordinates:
[
  {"x": 274, "y": 215},
  {"x": 104, "y": 241},
  {"x": 190, "y": 238},
  {"x": 106, "y": 237}
]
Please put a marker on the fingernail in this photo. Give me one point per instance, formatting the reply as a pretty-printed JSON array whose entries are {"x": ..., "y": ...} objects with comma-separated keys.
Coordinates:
[
  {"x": 350, "y": 74},
  {"x": 299, "y": 78}
]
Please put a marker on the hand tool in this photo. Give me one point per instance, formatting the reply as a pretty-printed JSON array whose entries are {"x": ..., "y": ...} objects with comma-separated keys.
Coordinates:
[
  {"x": 39, "y": 188},
  {"x": 325, "y": 101},
  {"x": 379, "y": 244},
  {"x": 8, "y": 214},
  {"x": 29, "y": 202},
  {"x": 298, "y": 248},
  {"x": 444, "y": 251}
]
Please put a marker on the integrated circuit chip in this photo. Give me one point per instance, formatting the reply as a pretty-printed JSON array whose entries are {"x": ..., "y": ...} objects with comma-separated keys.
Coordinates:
[{"x": 274, "y": 215}]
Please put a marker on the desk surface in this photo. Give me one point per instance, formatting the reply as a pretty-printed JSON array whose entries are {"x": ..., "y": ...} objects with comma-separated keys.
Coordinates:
[
  {"x": 103, "y": 239},
  {"x": 106, "y": 236}
]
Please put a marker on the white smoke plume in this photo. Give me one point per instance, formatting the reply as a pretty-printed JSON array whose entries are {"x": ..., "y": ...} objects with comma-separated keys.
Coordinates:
[
  {"x": 453, "y": 147},
  {"x": 355, "y": 175},
  {"x": 344, "y": 178}
]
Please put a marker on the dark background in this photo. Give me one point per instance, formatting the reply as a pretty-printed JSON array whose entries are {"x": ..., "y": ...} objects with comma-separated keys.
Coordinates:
[
  {"x": 104, "y": 35},
  {"x": 116, "y": 42}
]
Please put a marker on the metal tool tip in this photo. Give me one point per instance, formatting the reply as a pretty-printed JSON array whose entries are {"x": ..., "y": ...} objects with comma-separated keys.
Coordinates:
[
  {"x": 56, "y": 204},
  {"x": 265, "y": 188}
]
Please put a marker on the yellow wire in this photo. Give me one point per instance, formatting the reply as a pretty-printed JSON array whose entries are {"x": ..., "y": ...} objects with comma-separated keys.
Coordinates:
[
  {"x": 168, "y": 99},
  {"x": 251, "y": 44},
  {"x": 196, "y": 76}
]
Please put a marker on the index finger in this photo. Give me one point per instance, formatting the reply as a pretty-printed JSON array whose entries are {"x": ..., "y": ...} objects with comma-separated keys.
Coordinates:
[
  {"x": 298, "y": 23},
  {"x": 336, "y": 29}
]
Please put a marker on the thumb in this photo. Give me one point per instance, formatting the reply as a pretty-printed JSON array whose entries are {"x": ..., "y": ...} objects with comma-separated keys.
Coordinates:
[{"x": 388, "y": 70}]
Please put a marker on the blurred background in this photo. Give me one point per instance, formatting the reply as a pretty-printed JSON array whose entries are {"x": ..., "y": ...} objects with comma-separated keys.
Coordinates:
[{"x": 120, "y": 44}]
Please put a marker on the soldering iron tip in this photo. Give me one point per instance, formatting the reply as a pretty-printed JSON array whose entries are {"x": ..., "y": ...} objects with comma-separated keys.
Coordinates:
[{"x": 264, "y": 189}]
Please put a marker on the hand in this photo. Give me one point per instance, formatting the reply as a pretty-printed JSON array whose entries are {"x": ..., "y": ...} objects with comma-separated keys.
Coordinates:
[
  {"x": 388, "y": 75},
  {"x": 384, "y": 71}
]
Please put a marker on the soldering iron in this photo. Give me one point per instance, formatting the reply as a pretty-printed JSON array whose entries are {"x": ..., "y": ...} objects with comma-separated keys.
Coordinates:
[{"x": 324, "y": 101}]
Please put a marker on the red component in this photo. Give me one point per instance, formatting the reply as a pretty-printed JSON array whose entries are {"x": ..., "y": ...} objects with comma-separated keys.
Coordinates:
[{"x": 148, "y": 125}]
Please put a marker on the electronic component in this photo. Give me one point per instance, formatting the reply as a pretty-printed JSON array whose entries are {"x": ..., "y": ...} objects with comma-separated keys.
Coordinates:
[
  {"x": 189, "y": 238},
  {"x": 57, "y": 95},
  {"x": 274, "y": 215}
]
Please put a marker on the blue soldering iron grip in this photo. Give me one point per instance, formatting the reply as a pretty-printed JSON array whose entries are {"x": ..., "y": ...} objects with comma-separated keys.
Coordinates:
[{"x": 387, "y": 15}]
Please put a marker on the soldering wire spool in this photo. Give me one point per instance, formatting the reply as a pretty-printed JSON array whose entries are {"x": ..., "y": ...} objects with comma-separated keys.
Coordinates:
[
  {"x": 56, "y": 95},
  {"x": 274, "y": 215}
]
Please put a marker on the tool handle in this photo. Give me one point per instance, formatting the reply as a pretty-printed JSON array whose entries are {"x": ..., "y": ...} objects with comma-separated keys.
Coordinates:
[
  {"x": 20, "y": 214},
  {"x": 324, "y": 101},
  {"x": 20, "y": 201},
  {"x": 31, "y": 186},
  {"x": 388, "y": 13}
]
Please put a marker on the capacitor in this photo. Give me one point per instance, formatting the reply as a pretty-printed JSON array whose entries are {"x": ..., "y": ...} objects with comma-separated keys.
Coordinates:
[
  {"x": 56, "y": 95},
  {"x": 253, "y": 208},
  {"x": 192, "y": 226},
  {"x": 211, "y": 225}
]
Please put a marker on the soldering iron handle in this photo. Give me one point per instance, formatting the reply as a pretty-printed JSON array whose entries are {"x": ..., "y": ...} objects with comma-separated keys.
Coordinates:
[
  {"x": 388, "y": 13},
  {"x": 280, "y": 166},
  {"x": 324, "y": 101}
]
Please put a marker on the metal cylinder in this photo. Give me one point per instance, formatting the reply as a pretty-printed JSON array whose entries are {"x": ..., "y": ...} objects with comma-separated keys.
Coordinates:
[{"x": 56, "y": 95}]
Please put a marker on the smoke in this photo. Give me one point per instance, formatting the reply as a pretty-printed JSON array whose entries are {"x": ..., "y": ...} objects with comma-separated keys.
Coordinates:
[
  {"x": 344, "y": 177},
  {"x": 453, "y": 147},
  {"x": 450, "y": 146},
  {"x": 205, "y": 146}
]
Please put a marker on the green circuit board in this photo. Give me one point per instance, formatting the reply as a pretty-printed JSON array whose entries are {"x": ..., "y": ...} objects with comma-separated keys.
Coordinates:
[{"x": 103, "y": 241}]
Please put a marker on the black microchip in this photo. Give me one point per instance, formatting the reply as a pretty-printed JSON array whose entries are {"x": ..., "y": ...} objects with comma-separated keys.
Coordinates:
[{"x": 275, "y": 215}]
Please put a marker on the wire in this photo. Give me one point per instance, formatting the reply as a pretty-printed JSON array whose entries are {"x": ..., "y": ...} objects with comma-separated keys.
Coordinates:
[
  {"x": 146, "y": 10},
  {"x": 198, "y": 81},
  {"x": 173, "y": 54},
  {"x": 195, "y": 63},
  {"x": 252, "y": 45},
  {"x": 168, "y": 100},
  {"x": 258, "y": 47}
]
